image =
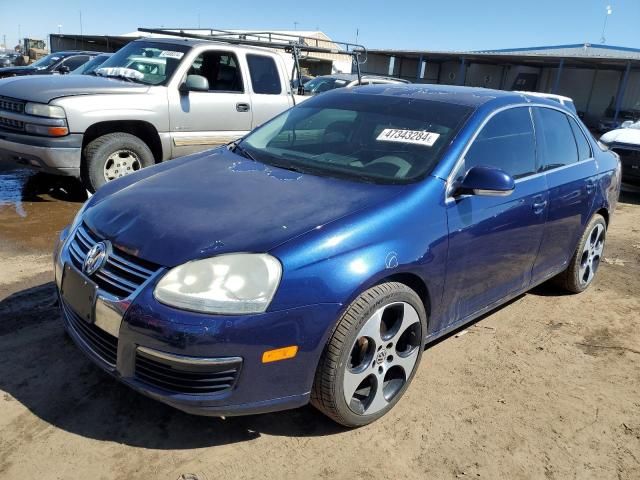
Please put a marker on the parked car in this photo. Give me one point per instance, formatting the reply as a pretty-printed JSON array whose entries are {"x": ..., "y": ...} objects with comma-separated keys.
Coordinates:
[
  {"x": 325, "y": 83},
  {"x": 151, "y": 101},
  {"x": 5, "y": 61},
  {"x": 312, "y": 260},
  {"x": 562, "y": 100},
  {"x": 625, "y": 142},
  {"x": 59, "y": 62},
  {"x": 295, "y": 82},
  {"x": 91, "y": 65}
]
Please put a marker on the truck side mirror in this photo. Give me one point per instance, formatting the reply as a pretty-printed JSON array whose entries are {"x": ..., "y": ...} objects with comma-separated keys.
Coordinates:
[
  {"x": 194, "y": 83},
  {"x": 489, "y": 181}
]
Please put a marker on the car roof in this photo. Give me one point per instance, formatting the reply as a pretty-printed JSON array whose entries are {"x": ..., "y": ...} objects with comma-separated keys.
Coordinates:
[
  {"x": 68, "y": 53},
  {"x": 354, "y": 76},
  {"x": 467, "y": 96}
]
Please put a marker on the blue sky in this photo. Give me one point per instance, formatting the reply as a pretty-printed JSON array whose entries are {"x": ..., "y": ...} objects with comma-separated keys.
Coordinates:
[{"x": 408, "y": 24}]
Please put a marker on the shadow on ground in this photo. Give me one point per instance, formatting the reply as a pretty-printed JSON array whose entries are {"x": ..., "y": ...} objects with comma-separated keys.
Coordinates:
[{"x": 43, "y": 370}]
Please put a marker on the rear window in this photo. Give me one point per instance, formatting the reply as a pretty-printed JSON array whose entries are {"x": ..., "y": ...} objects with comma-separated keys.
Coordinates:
[
  {"x": 264, "y": 75},
  {"x": 557, "y": 145}
]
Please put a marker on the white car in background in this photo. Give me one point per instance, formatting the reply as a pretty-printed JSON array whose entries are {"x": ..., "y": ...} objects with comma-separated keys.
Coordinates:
[
  {"x": 625, "y": 141},
  {"x": 566, "y": 101}
]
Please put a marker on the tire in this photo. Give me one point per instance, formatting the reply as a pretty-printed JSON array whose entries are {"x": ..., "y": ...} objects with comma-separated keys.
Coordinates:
[
  {"x": 113, "y": 155},
  {"x": 371, "y": 356},
  {"x": 585, "y": 261}
]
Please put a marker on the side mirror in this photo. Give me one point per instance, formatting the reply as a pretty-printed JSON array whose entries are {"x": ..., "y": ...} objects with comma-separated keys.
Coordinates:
[
  {"x": 63, "y": 70},
  {"x": 489, "y": 181},
  {"x": 194, "y": 83}
]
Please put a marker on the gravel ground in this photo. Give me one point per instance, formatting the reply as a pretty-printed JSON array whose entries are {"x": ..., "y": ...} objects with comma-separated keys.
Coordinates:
[{"x": 547, "y": 386}]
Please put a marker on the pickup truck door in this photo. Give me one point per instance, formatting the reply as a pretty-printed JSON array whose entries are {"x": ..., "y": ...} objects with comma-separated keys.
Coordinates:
[
  {"x": 271, "y": 94},
  {"x": 200, "y": 120}
]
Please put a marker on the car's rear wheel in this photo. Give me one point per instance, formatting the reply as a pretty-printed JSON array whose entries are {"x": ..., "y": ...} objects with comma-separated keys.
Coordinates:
[
  {"x": 112, "y": 156},
  {"x": 372, "y": 355},
  {"x": 584, "y": 264}
]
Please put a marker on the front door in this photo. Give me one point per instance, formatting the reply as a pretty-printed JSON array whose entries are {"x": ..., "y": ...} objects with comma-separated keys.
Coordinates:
[
  {"x": 202, "y": 120},
  {"x": 566, "y": 157},
  {"x": 494, "y": 240}
]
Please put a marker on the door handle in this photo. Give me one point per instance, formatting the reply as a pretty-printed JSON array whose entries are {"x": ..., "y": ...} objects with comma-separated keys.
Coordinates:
[
  {"x": 590, "y": 186},
  {"x": 538, "y": 207},
  {"x": 242, "y": 107}
]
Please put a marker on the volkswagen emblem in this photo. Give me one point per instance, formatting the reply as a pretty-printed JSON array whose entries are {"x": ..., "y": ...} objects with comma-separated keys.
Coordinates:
[{"x": 96, "y": 258}]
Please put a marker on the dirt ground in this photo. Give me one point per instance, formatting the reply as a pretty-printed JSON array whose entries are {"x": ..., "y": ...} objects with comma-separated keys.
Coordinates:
[{"x": 546, "y": 387}]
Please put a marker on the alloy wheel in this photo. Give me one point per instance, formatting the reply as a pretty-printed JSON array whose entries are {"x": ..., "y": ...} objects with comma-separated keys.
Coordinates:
[
  {"x": 382, "y": 358},
  {"x": 591, "y": 254}
]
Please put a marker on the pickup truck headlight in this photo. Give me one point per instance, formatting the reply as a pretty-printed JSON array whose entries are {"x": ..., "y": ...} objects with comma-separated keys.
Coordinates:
[
  {"x": 43, "y": 110},
  {"x": 238, "y": 283}
]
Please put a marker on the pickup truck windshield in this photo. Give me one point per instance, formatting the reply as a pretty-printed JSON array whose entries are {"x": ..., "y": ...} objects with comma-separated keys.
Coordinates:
[
  {"x": 155, "y": 62},
  {"x": 365, "y": 137}
]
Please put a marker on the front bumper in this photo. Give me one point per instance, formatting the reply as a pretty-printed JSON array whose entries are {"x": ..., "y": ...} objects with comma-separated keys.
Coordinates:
[
  {"x": 231, "y": 346},
  {"x": 60, "y": 156}
]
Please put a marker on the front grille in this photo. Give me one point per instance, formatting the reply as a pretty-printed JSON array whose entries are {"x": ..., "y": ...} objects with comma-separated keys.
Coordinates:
[
  {"x": 11, "y": 123},
  {"x": 186, "y": 378},
  {"x": 121, "y": 275},
  {"x": 103, "y": 344},
  {"x": 630, "y": 160},
  {"x": 11, "y": 105}
]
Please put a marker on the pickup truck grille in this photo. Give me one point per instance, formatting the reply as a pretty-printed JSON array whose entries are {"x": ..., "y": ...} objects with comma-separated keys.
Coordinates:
[
  {"x": 10, "y": 123},
  {"x": 121, "y": 275},
  {"x": 11, "y": 105}
]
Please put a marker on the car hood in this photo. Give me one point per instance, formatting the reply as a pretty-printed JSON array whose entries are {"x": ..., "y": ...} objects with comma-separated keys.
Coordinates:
[
  {"x": 25, "y": 70},
  {"x": 629, "y": 136},
  {"x": 218, "y": 202},
  {"x": 44, "y": 88}
]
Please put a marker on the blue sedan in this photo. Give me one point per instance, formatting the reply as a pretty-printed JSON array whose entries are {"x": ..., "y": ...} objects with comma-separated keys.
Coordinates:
[{"x": 313, "y": 260}]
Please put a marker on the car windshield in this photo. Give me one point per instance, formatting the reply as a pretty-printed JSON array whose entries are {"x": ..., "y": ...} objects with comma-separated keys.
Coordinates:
[
  {"x": 91, "y": 65},
  {"x": 364, "y": 137},
  {"x": 150, "y": 63},
  {"x": 46, "y": 62},
  {"x": 323, "y": 84}
]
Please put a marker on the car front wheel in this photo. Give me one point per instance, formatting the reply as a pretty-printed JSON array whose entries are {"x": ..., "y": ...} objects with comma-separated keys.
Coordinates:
[
  {"x": 372, "y": 355},
  {"x": 112, "y": 156}
]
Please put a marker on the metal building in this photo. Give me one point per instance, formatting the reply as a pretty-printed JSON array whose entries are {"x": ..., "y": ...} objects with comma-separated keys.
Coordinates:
[{"x": 603, "y": 80}]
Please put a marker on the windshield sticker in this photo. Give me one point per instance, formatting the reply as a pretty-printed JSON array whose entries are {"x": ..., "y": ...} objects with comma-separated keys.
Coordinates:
[
  {"x": 171, "y": 54},
  {"x": 417, "y": 137}
]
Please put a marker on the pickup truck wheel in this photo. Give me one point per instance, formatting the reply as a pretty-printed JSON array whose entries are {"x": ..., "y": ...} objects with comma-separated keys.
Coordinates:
[{"x": 112, "y": 156}]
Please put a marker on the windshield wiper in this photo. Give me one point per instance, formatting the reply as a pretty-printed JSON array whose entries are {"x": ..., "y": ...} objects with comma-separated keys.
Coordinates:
[{"x": 236, "y": 148}]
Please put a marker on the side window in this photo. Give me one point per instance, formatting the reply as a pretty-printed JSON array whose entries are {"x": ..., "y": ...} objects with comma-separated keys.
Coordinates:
[
  {"x": 75, "y": 61},
  {"x": 584, "y": 148},
  {"x": 507, "y": 142},
  {"x": 264, "y": 75},
  {"x": 557, "y": 143},
  {"x": 220, "y": 69}
]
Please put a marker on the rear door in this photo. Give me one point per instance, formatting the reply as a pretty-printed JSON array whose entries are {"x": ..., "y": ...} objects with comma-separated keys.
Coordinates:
[
  {"x": 566, "y": 159},
  {"x": 201, "y": 120},
  {"x": 269, "y": 95},
  {"x": 494, "y": 240}
]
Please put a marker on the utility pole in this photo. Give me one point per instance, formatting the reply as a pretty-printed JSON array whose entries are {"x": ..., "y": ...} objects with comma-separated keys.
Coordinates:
[
  {"x": 4, "y": 41},
  {"x": 19, "y": 36},
  {"x": 295, "y": 25},
  {"x": 80, "y": 25}
]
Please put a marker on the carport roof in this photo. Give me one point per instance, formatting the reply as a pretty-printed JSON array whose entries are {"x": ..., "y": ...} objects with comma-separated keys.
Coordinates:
[{"x": 578, "y": 55}]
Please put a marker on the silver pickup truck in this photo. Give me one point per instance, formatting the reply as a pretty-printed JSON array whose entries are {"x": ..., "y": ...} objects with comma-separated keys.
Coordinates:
[{"x": 153, "y": 100}]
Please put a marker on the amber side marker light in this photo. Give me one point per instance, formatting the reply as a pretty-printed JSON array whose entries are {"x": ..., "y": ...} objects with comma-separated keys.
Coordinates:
[
  {"x": 58, "y": 131},
  {"x": 279, "y": 354}
]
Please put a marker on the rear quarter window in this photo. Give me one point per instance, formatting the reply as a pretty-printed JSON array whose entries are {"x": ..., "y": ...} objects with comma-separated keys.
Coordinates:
[{"x": 264, "y": 74}]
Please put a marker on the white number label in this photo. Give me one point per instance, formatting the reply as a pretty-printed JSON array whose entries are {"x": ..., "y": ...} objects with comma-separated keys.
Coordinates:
[
  {"x": 171, "y": 54},
  {"x": 417, "y": 137}
]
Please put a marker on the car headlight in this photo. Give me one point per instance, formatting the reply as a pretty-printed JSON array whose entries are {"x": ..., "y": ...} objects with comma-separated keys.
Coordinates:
[
  {"x": 238, "y": 283},
  {"x": 43, "y": 110}
]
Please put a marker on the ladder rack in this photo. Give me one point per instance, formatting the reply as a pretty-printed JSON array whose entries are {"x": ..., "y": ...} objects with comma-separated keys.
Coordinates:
[{"x": 290, "y": 43}]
